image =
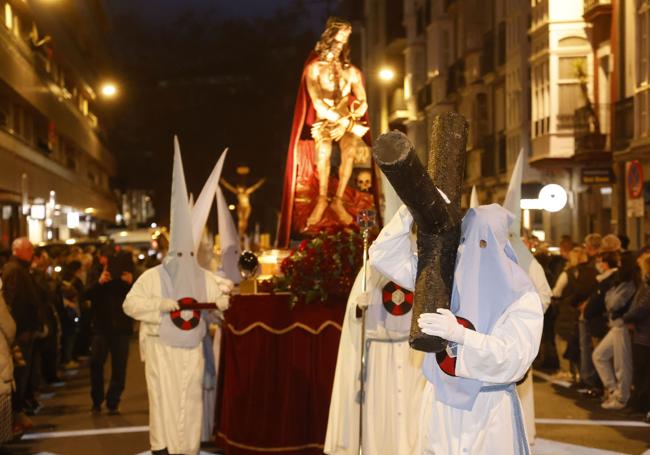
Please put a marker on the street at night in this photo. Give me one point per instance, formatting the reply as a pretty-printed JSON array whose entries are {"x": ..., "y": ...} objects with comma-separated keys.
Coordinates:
[{"x": 343, "y": 227}]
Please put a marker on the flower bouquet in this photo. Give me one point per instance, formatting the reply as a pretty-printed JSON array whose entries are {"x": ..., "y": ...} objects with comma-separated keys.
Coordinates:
[{"x": 323, "y": 266}]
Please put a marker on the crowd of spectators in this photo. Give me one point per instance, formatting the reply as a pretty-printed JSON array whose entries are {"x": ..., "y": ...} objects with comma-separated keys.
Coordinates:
[
  {"x": 56, "y": 313},
  {"x": 597, "y": 328}
]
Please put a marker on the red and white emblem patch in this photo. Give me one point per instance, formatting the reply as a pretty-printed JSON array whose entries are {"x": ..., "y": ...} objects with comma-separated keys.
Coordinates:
[
  {"x": 447, "y": 359},
  {"x": 397, "y": 300},
  {"x": 180, "y": 320}
]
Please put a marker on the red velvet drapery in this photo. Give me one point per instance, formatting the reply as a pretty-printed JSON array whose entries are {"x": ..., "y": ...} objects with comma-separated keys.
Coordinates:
[{"x": 277, "y": 371}]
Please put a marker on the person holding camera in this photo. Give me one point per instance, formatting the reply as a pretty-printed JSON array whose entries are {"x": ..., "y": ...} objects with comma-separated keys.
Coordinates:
[{"x": 113, "y": 330}]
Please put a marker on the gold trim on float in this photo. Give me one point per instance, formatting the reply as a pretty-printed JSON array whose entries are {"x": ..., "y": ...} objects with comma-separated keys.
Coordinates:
[
  {"x": 296, "y": 325},
  {"x": 270, "y": 449}
]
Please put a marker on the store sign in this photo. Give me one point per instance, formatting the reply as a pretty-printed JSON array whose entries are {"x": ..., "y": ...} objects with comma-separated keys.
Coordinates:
[{"x": 597, "y": 176}]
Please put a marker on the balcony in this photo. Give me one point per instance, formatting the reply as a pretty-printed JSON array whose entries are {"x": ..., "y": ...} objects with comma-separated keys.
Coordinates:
[
  {"x": 623, "y": 123},
  {"x": 595, "y": 8},
  {"x": 591, "y": 133}
]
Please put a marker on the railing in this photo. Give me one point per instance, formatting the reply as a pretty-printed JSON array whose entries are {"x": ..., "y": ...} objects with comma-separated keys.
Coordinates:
[
  {"x": 591, "y": 127},
  {"x": 623, "y": 123},
  {"x": 589, "y": 4},
  {"x": 594, "y": 8}
]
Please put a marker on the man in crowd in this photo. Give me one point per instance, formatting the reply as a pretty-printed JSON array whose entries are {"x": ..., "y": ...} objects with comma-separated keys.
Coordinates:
[
  {"x": 588, "y": 274},
  {"x": 112, "y": 328},
  {"x": 21, "y": 294}
]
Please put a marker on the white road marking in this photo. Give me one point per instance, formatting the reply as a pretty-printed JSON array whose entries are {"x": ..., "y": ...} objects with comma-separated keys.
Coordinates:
[
  {"x": 92, "y": 432},
  {"x": 605, "y": 423},
  {"x": 548, "y": 447}
]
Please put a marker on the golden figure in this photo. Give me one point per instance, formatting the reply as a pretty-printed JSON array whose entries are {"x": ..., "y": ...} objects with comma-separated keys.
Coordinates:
[
  {"x": 339, "y": 99},
  {"x": 243, "y": 202}
]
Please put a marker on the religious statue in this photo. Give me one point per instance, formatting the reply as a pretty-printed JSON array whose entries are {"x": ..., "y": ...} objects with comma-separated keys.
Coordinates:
[
  {"x": 243, "y": 202},
  {"x": 330, "y": 129}
]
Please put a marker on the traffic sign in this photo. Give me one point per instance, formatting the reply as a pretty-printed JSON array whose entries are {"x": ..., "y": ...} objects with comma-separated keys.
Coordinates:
[{"x": 634, "y": 179}]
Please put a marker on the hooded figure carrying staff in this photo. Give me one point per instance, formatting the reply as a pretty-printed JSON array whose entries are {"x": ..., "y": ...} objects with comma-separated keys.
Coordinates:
[{"x": 171, "y": 338}]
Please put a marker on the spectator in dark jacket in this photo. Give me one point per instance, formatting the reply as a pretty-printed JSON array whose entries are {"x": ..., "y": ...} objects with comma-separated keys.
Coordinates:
[
  {"x": 638, "y": 319},
  {"x": 50, "y": 344},
  {"x": 21, "y": 294},
  {"x": 71, "y": 291},
  {"x": 113, "y": 330},
  {"x": 593, "y": 316}
]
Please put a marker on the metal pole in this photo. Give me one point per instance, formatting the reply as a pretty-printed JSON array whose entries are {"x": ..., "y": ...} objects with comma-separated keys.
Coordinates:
[{"x": 365, "y": 220}]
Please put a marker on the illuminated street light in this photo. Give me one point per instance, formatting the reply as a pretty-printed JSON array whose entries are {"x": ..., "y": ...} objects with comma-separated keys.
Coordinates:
[
  {"x": 386, "y": 74},
  {"x": 109, "y": 90}
]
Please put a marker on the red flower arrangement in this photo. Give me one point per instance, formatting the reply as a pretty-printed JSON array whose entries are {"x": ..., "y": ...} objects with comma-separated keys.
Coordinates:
[{"x": 323, "y": 266}]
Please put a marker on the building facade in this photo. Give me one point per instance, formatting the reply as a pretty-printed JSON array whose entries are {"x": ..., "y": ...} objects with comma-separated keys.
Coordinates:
[
  {"x": 55, "y": 169},
  {"x": 567, "y": 82}
]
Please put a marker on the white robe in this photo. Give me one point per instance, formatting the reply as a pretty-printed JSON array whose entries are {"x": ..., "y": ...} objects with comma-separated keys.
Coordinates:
[
  {"x": 394, "y": 383},
  {"x": 499, "y": 358},
  {"x": 502, "y": 357},
  {"x": 174, "y": 375}
]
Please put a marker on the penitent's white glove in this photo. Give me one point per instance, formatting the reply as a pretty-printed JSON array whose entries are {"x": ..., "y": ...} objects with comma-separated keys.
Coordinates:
[
  {"x": 224, "y": 284},
  {"x": 363, "y": 300},
  {"x": 223, "y": 302},
  {"x": 167, "y": 305},
  {"x": 442, "y": 324}
]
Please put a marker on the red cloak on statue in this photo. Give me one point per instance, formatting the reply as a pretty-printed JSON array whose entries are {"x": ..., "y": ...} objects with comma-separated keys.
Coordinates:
[{"x": 300, "y": 190}]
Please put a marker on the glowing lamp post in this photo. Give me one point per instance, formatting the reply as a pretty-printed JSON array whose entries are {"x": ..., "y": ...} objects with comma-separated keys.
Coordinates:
[
  {"x": 386, "y": 75},
  {"x": 109, "y": 90}
]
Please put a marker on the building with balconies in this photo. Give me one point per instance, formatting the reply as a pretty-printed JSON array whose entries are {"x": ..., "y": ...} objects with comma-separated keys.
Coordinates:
[{"x": 52, "y": 146}]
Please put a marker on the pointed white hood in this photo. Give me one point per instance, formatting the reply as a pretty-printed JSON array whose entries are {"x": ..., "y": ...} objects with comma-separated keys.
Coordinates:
[
  {"x": 203, "y": 204},
  {"x": 228, "y": 239},
  {"x": 181, "y": 276},
  {"x": 513, "y": 196},
  {"x": 180, "y": 263},
  {"x": 524, "y": 257},
  {"x": 473, "y": 199}
]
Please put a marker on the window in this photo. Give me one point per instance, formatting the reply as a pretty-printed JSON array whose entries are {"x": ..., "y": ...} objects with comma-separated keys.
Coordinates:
[
  {"x": 643, "y": 23},
  {"x": 569, "y": 67}
]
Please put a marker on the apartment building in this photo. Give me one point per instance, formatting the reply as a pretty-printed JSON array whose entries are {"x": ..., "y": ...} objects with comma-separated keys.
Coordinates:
[{"x": 55, "y": 169}]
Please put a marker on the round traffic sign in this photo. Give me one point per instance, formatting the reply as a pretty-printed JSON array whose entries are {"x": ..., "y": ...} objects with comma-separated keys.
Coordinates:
[{"x": 634, "y": 179}]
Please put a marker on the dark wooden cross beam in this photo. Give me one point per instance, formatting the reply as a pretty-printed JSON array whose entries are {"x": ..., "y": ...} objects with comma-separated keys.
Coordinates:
[{"x": 438, "y": 221}]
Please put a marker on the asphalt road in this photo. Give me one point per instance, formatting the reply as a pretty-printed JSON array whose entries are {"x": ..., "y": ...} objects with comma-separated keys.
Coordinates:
[{"x": 566, "y": 422}]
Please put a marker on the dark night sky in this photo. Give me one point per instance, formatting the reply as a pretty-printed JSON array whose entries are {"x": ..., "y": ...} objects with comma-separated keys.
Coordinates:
[{"x": 219, "y": 73}]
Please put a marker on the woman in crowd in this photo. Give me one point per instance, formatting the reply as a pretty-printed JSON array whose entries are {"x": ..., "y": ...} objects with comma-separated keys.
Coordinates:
[{"x": 573, "y": 287}]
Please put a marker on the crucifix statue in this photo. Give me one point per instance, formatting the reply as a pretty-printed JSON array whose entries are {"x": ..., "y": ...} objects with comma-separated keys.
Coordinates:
[{"x": 243, "y": 202}]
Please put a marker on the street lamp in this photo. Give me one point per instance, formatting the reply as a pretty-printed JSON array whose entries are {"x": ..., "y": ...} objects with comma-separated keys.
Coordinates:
[
  {"x": 386, "y": 74},
  {"x": 108, "y": 90}
]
